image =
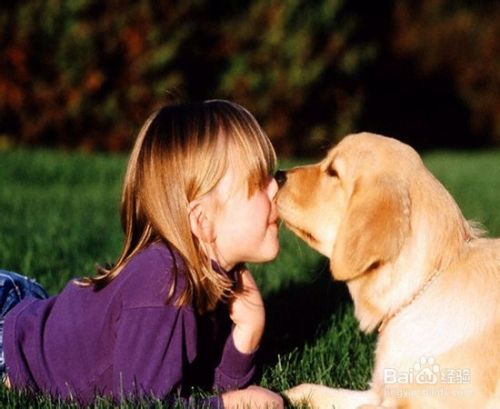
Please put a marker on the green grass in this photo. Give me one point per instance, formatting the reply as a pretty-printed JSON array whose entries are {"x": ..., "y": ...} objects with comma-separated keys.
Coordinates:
[{"x": 59, "y": 217}]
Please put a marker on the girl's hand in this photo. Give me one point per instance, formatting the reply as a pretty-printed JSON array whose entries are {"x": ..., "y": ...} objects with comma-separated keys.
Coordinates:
[
  {"x": 252, "y": 397},
  {"x": 246, "y": 310}
]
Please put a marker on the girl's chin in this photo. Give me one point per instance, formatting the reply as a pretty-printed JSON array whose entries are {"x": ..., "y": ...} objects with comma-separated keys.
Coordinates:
[
  {"x": 270, "y": 253},
  {"x": 273, "y": 252}
]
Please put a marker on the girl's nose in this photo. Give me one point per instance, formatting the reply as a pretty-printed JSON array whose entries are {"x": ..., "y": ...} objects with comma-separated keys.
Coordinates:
[{"x": 272, "y": 188}]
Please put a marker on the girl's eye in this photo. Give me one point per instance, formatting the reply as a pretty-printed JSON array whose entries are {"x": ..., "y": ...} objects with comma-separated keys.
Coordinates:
[{"x": 331, "y": 172}]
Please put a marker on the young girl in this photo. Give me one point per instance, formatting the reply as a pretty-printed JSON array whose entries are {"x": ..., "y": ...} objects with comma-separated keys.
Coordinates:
[{"x": 179, "y": 309}]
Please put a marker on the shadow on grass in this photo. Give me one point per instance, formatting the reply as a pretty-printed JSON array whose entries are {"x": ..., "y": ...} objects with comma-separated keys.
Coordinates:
[{"x": 300, "y": 311}]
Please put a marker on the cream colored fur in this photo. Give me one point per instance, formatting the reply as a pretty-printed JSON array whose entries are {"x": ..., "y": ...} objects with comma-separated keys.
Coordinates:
[{"x": 388, "y": 226}]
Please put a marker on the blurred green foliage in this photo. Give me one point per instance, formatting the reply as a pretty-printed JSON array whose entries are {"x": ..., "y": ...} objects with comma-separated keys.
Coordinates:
[{"x": 86, "y": 73}]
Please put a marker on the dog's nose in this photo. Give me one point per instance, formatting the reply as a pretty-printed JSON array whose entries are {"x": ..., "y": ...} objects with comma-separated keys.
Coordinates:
[{"x": 280, "y": 177}]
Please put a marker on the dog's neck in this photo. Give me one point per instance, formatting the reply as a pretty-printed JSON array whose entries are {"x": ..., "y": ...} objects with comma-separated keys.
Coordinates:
[
  {"x": 439, "y": 267},
  {"x": 388, "y": 317}
]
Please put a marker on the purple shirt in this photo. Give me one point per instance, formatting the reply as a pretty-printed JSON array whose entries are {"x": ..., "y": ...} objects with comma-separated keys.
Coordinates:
[{"x": 124, "y": 340}]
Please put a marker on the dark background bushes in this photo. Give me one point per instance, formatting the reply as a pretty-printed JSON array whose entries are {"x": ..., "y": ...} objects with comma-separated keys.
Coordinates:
[{"x": 86, "y": 73}]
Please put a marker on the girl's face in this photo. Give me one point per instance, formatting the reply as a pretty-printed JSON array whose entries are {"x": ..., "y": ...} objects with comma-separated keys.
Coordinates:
[{"x": 246, "y": 228}]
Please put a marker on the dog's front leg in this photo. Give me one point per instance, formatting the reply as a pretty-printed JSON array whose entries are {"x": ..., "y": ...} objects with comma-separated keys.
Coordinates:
[{"x": 323, "y": 397}]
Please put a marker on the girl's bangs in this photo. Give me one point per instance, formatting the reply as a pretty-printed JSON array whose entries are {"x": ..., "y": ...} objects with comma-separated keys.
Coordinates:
[{"x": 255, "y": 158}]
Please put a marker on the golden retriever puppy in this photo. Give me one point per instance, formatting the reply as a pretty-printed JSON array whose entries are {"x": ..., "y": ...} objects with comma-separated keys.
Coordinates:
[{"x": 416, "y": 270}]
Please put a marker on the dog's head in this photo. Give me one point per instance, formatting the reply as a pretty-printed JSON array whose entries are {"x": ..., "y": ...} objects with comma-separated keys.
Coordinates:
[{"x": 359, "y": 205}]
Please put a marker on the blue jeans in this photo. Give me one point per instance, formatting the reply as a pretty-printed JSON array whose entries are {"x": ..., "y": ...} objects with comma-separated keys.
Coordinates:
[{"x": 13, "y": 288}]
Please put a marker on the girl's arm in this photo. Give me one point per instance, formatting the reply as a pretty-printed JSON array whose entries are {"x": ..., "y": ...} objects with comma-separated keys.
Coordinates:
[
  {"x": 150, "y": 350},
  {"x": 246, "y": 310},
  {"x": 237, "y": 365},
  {"x": 148, "y": 361},
  {"x": 248, "y": 314}
]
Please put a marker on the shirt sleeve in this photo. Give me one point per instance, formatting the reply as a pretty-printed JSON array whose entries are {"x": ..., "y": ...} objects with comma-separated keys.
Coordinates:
[
  {"x": 151, "y": 348},
  {"x": 236, "y": 369}
]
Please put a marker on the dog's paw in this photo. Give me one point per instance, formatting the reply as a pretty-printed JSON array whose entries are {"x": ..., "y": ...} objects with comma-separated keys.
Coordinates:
[
  {"x": 310, "y": 396},
  {"x": 301, "y": 395},
  {"x": 298, "y": 395},
  {"x": 323, "y": 397},
  {"x": 370, "y": 407}
]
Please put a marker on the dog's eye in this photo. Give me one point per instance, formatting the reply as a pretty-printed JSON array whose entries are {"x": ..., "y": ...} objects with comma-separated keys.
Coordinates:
[{"x": 331, "y": 172}]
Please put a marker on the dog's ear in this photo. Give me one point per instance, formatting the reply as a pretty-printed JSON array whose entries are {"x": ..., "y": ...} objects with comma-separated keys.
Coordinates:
[{"x": 374, "y": 229}]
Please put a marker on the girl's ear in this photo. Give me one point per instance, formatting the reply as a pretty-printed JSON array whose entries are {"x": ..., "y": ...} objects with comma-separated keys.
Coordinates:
[{"x": 201, "y": 225}]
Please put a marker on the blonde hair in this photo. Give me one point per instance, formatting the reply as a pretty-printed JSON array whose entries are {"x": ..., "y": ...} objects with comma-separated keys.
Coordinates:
[{"x": 181, "y": 153}]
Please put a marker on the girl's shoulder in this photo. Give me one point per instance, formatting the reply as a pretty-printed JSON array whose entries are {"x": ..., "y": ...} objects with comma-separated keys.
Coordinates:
[
  {"x": 157, "y": 257},
  {"x": 147, "y": 278}
]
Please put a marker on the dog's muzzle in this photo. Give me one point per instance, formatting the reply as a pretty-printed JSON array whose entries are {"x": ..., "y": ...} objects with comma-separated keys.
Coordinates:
[{"x": 280, "y": 177}]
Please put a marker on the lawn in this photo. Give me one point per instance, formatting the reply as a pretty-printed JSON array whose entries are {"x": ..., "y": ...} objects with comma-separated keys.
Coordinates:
[{"x": 59, "y": 217}]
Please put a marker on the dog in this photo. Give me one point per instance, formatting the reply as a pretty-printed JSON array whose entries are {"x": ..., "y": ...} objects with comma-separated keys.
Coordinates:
[{"x": 417, "y": 272}]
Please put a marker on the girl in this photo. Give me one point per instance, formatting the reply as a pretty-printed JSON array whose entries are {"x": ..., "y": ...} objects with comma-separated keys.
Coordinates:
[{"x": 178, "y": 309}]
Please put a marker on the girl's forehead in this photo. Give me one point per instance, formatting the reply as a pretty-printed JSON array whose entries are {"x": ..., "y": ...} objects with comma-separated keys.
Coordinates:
[
  {"x": 232, "y": 184},
  {"x": 226, "y": 183}
]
